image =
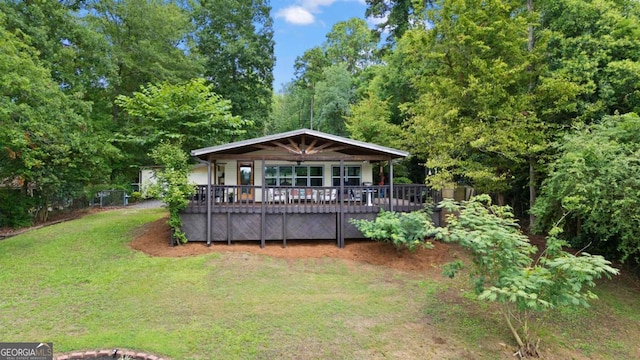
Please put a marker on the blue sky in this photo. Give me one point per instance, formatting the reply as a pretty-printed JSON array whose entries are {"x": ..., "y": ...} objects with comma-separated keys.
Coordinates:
[{"x": 302, "y": 24}]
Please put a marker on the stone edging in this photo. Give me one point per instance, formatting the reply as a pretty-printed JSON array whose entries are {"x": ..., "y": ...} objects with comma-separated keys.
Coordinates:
[{"x": 121, "y": 354}]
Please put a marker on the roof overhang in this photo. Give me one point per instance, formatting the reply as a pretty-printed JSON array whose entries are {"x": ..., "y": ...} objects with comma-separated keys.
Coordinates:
[{"x": 300, "y": 145}]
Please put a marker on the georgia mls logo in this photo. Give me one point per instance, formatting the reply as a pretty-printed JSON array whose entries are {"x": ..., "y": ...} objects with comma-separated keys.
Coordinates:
[{"x": 26, "y": 351}]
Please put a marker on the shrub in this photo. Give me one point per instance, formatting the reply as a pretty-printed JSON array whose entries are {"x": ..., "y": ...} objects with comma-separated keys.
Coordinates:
[
  {"x": 593, "y": 188},
  {"x": 15, "y": 209},
  {"x": 402, "y": 180},
  {"x": 173, "y": 186},
  {"x": 506, "y": 272},
  {"x": 136, "y": 196},
  {"x": 403, "y": 230}
]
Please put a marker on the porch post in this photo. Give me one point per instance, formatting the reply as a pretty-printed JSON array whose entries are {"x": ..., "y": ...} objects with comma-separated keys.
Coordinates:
[
  {"x": 262, "y": 207},
  {"x": 390, "y": 184},
  {"x": 209, "y": 201},
  {"x": 341, "y": 212}
]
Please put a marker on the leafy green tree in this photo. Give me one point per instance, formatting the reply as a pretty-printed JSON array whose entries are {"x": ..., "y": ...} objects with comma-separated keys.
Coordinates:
[
  {"x": 593, "y": 51},
  {"x": 149, "y": 43},
  {"x": 172, "y": 185},
  {"x": 189, "y": 113},
  {"x": 473, "y": 119},
  {"x": 506, "y": 272},
  {"x": 395, "y": 16},
  {"x": 350, "y": 42},
  {"x": 334, "y": 95},
  {"x": 309, "y": 71},
  {"x": 77, "y": 56},
  {"x": 43, "y": 131},
  {"x": 290, "y": 109},
  {"x": 369, "y": 121},
  {"x": 593, "y": 188},
  {"x": 236, "y": 38}
]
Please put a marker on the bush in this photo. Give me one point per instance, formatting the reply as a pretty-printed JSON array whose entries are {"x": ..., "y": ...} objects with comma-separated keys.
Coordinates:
[
  {"x": 15, "y": 209},
  {"x": 403, "y": 230},
  {"x": 135, "y": 196},
  {"x": 506, "y": 272},
  {"x": 593, "y": 188},
  {"x": 402, "y": 180},
  {"x": 173, "y": 186}
]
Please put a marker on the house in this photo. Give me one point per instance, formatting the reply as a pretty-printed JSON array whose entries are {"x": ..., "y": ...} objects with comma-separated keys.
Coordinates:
[
  {"x": 146, "y": 177},
  {"x": 301, "y": 184}
]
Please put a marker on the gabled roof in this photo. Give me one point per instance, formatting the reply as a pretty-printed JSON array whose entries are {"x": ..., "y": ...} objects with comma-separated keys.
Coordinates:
[{"x": 302, "y": 144}]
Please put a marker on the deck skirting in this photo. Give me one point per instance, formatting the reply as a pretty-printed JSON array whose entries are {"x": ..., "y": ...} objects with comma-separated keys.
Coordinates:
[
  {"x": 286, "y": 218},
  {"x": 232, "y": 227}
]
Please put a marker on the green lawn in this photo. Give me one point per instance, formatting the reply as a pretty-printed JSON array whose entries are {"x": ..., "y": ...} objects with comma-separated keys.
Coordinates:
[{"x": 78, "y": 285}]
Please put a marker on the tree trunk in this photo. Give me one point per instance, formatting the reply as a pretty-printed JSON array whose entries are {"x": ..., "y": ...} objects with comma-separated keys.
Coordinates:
[
  {"x": 532, "y": 189},
  {"x": 311, "y": 111},
  {"x": 532, "y": 171}
]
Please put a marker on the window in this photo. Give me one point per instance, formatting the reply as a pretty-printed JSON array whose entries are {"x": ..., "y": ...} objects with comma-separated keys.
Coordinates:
[
  {"x": 293, "y": 175},
  {"x": 352, "y": 175}
]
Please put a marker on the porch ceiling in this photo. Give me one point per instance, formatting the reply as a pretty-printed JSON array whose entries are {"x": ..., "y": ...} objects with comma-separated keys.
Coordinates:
[{"x": 303, "y": 144}]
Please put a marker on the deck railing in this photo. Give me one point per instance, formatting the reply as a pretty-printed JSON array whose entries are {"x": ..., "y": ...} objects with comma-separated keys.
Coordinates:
[{"x": 324, "y": 199}]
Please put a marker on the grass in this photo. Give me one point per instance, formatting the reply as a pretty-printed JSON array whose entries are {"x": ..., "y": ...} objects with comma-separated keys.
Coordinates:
[{"x": 79, "y": 285}]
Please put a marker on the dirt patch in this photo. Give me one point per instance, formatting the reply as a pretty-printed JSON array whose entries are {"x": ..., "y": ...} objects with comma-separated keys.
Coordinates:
[{"x": 153, "y": 239}]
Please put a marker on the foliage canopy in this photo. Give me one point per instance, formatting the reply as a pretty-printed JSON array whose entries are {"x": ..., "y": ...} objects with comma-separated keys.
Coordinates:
[{"x": 593, "y": 187}]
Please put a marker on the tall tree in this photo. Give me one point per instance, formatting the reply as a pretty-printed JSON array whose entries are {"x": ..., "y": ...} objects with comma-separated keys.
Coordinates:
[
  {"x": 593, "y": 47},
  {"x": 473, "y": 119},
  {"x": 190, "y": 114},
  {"x": 149, "y": 43},
  {"x": 236, "y": 38},
  {"x": 43, "y": 131},
  {"x": 334, "y": 96},
  {"x": 351, "y": 42},
  {"x": 290, "y": 109},
  {"x": 592, "y": 188},
  {"x": 395, "y": 16},
  {"x": 369, "y": 120},
  {"x": 76, "y": 55},
  {"x": 309, "y": 71}
]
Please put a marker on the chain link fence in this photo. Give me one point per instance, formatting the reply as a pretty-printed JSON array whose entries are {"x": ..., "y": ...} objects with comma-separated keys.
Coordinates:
[{"x": 110, "y": 198}]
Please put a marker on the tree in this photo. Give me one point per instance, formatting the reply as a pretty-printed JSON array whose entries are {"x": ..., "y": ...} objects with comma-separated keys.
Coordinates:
[
  {"x": 395, "y": 16},
  {"x": 77, "y": 56},
  {"x": 505, "y": 271},
  {"x": 592, "y": 48},
  {"x": 190, "y": 114},
  {"x": 593, "y": 188},
  {"x": 369, "y": 121},
  {"x": 149, "y": 43},
  {"x": 309, "y": 71},
  {"x": 236, "y": 38},
  {"x": 42, "y": 129},
  {"x": 350, "y": 42},
  {"x": 473, "y": 119},
  {"x": 334, "y": 95},
  {"x": 173, "y": 186},
  {"x": 290, "y": 109}
]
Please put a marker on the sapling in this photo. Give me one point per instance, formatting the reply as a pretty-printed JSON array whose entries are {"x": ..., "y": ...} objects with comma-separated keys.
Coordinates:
[
  {"x": 507, "y": 272},
  {"x": 172, "y": 186}
]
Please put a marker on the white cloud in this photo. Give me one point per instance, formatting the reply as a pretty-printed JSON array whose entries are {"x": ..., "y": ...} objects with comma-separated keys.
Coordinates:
[
  {"x": 374, "y": 21},
  {"x": 302, "y": 13},
  {"x": 314, "y": 5},
  {"x": 296, "y": 15}
]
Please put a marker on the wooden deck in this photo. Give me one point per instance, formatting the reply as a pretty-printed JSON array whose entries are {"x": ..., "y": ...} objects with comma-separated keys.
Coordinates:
[{"x": 241, "y": 213}]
